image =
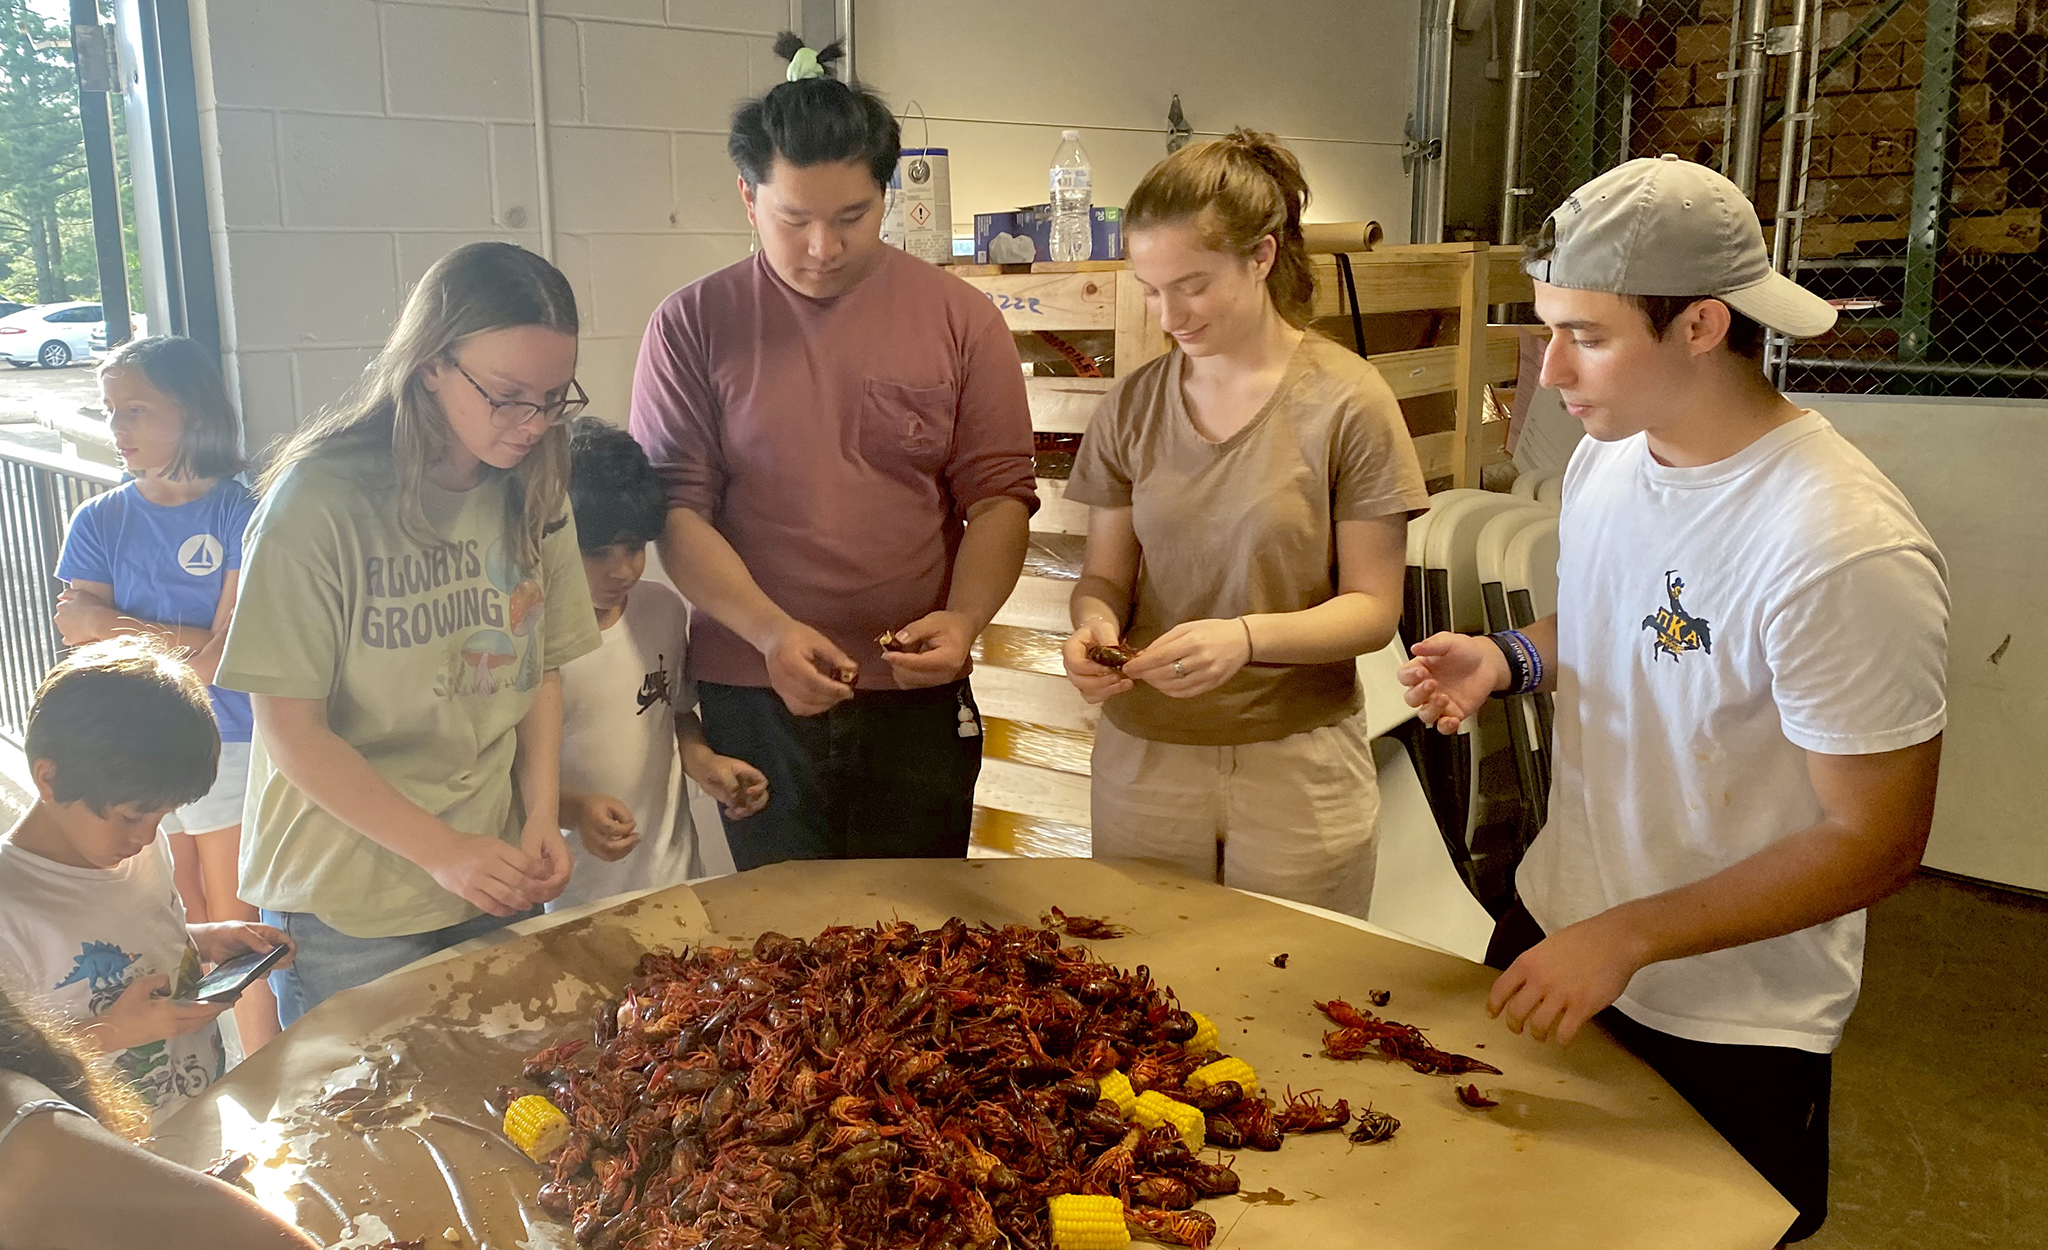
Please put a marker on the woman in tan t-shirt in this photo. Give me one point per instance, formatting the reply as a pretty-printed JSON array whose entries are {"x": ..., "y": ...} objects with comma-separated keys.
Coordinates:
[{"x": 1249, "y": 496}]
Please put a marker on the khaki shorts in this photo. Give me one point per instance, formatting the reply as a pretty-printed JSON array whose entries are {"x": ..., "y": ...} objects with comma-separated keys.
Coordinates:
[{"x": 1297, "y": 818}]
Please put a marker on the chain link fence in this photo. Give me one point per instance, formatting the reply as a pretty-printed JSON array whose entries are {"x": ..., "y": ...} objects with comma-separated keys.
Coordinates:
[{"x": 1917, "y": 178}]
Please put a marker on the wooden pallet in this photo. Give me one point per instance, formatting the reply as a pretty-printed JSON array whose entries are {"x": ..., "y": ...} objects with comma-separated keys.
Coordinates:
[{"x": 1458, "y": 280}]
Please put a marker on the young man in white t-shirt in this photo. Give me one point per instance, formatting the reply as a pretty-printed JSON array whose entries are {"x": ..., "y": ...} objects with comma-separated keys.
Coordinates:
[
  {"x": 1749, "y": 658},
  {"x": 91, "y": 928},
  {"x": 630, "y": 731}
]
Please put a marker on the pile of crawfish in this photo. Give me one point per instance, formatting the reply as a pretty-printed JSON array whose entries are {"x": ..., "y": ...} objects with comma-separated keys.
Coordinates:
[{"x": 885, "y": 1087}]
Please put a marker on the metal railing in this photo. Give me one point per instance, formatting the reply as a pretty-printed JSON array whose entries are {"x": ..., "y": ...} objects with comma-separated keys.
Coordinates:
[{"x": 38, "y": 493}]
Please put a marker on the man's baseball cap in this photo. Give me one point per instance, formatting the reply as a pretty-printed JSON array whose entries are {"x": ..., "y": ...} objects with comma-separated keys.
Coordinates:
[{"x": 1663, "y": 226}]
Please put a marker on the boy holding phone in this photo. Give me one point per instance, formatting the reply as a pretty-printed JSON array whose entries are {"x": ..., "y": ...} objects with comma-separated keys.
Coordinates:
[{"x": 90, "y": 923}]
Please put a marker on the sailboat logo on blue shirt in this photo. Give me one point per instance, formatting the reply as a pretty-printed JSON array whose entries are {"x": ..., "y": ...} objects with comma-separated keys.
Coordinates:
[
  {"x": 199, "y": 555},
  {"x": 1674, "y": 629}
]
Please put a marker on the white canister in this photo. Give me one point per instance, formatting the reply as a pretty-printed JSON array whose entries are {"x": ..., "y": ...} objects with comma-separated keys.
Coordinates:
[{"x": 917, "y": 215}]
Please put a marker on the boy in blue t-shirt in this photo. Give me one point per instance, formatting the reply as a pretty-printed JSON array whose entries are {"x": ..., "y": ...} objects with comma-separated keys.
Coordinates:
[{"x": 161, "y": 554}]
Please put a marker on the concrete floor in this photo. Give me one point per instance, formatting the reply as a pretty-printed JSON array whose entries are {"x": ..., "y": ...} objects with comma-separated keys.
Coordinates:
[
  {"x": 26, "y": 392},
  {"x": 1940, "y": 1111}
]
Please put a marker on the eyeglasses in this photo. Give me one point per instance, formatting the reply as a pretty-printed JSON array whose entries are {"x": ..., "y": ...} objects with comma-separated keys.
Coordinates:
[{"x": 510, "y": 414}]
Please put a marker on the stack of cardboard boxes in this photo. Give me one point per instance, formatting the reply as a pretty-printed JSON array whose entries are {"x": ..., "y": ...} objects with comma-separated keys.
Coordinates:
[{"x": 1860, "y": 178}]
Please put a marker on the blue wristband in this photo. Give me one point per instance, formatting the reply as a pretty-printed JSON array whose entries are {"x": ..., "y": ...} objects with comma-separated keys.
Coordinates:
[{"x": 1532, "y": 672}]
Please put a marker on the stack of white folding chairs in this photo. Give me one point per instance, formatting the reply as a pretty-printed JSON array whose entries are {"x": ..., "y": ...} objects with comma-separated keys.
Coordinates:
[{"x": 1456, "y": 811}]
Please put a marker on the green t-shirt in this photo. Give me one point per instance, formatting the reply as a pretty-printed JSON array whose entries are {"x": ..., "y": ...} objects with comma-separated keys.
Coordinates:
[{"x": 427, "y": 657}]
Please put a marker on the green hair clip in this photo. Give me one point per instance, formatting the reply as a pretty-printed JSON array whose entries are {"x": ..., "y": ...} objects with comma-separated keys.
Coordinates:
[{"x": 805, "y": 65}]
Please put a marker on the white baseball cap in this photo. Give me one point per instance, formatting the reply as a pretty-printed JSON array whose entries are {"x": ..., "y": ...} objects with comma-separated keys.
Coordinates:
[{"x": 1665, "y": 226}]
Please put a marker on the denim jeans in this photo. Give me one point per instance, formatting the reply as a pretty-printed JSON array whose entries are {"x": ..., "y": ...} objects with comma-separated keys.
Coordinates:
[
  {"x": 326, "y": 961},
  {"x": 888, "y": 774}
]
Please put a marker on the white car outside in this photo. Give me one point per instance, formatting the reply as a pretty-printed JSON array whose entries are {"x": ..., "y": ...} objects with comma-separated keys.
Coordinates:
[
  {"x": 50, "y": 335},
  {"x": 138, "y": 328}
]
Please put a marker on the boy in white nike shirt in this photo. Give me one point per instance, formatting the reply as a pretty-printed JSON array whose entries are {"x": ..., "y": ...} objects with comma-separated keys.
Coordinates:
[
  {"x": 1749, "y": 657},
  {"x": 629, "y": 720}
]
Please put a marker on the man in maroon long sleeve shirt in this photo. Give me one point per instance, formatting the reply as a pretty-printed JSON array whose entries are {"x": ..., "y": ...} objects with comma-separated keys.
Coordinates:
[{"x": 847, "y": 445}]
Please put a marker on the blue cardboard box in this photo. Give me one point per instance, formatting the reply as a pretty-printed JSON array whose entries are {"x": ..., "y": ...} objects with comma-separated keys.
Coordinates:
[{"x": 999, "y": 238}]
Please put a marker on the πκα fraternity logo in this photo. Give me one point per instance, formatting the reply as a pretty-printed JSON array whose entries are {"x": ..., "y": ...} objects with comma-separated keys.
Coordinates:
[{"x": 1674, "y": 630}]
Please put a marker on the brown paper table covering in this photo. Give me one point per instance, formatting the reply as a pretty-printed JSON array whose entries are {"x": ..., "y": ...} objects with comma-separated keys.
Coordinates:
[{"x": 1588, "y": 1147}]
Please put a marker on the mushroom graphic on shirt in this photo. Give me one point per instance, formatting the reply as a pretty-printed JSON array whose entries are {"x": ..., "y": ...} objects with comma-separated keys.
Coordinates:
[
  {"x": 524, "y": 601},
  {"x": 483, "y": 654},
  {"x": 522, "y": 611},
  {"x": 522, "y": 614}
]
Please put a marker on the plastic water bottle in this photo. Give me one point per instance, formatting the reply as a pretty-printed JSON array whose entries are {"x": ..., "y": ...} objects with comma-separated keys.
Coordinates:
[{"x": 1073, "y": 201}]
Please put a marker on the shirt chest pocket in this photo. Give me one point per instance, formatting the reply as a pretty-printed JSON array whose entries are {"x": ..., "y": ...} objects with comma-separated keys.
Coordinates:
[{"x": 906, "y": 425}]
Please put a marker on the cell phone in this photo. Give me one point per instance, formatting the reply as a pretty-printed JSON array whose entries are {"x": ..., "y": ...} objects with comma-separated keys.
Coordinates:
[{"x": 237, "y": 974}]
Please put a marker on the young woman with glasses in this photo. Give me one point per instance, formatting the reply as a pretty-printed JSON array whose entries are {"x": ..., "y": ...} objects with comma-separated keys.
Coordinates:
[{"x": 412, "y": 587}]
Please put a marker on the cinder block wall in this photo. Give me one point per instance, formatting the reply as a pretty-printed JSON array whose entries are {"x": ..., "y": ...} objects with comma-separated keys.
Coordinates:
[
  {"x": 350, "y": 143},
  {"x": 1334, "y": 78}
]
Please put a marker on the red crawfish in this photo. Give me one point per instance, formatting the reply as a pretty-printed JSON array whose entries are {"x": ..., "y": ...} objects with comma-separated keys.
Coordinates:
[
  {"x": 1361, "y": 1034},
  {"x": 1111, "y": 1170},
  {"x": 1213, "y": 1180},
  {"x": 1305, "y": 1113},
  {"x": 1254, "y": 1118},
  {"x": 1222, "y": 1132},
  {"x": 1181, "y": 1228},
  {"x": 1471, "y": 1096},
  {"x": 1111, "y": 655},
  {"x": 1170, "y": 1192},
  {"x": 554, "y": 1057},
  {"x": 1218, "y": 1097},
  {"x": 1084, "y": 927}
]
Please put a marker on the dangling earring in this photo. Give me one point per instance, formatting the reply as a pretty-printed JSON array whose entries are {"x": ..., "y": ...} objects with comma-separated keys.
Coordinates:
[{"x": 753, "y": 239}]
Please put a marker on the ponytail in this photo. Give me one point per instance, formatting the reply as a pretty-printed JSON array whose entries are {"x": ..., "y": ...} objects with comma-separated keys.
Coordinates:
[{"x": 1236, "y": 191}]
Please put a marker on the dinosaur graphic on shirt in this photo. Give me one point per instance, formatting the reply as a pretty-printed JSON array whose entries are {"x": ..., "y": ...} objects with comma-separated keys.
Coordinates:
[
  {"x": 1674, "y": 629},
  {"x": 101, "y": 965}
]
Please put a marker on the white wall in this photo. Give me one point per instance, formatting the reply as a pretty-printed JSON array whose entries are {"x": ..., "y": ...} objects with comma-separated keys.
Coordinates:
[
  {"x": 1334, "y": 78},
  {"x": 1972, "y": 470},
  {"x": 350, "y": 143}
]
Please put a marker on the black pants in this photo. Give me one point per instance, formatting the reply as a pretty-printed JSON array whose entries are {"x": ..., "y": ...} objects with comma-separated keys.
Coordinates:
[
  {"x": 1769, "y": 1102},
  {"x": 888, "y": 774}
]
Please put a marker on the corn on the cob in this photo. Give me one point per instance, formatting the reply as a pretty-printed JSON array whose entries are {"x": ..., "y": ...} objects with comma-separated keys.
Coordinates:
[
  {"x": 1231, "y": 1069},
  {"x": 536, "y": 1126},
  {"x": 1116, "y": 1090},
  {"x": 1088, "y": 1222},
  {"x": 1204, "y": 1042},
  {"x": 1154, "y": 1109}
]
